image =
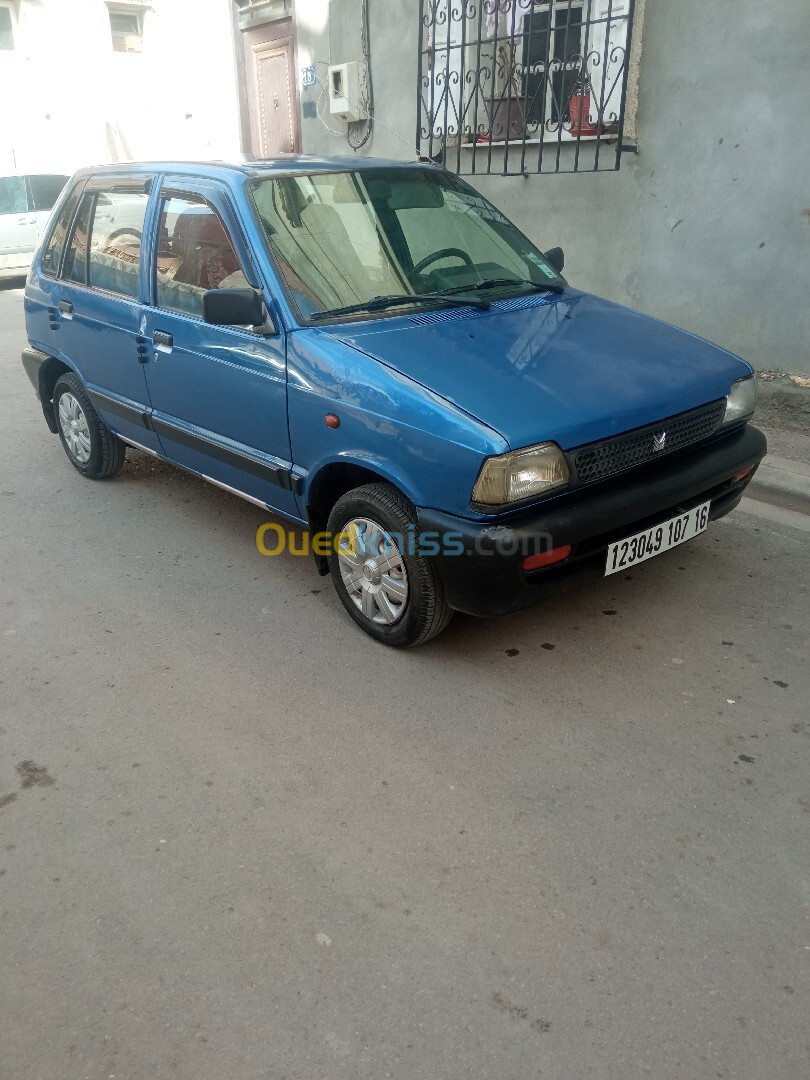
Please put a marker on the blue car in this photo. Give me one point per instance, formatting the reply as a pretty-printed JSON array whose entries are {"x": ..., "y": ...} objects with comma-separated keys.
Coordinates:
[{"x": 372, "y": 350}]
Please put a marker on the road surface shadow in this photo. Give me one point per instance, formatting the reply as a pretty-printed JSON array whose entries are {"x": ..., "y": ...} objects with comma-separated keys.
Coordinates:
[{"x": 12, "y": 284}]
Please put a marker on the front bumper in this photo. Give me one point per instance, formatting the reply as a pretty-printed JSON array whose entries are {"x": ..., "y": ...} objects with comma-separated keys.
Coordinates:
[{"x": 487, "y": 577}]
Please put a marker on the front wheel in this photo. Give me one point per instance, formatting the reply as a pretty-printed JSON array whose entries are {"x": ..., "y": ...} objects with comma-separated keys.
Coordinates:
[
  {"x": 390, "y": 591},
  {"x": 90, "y": 446}
]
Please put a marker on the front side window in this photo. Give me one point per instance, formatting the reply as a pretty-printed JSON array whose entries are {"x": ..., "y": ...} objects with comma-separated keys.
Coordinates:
[
  {"x": 6, "y": 29},
  {"x": 195, "y": 255},
  {"x": 346, "y": 238},
  {"x": 13, "y": 196},
  {"x": 45, "y": 190}
]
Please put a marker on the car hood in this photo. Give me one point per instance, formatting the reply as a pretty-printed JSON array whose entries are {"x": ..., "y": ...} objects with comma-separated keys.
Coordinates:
[{"x": 568, "y": 368}]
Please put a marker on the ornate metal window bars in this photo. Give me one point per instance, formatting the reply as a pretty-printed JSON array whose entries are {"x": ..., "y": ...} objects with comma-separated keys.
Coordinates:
[{"x": 523, "y": 86}]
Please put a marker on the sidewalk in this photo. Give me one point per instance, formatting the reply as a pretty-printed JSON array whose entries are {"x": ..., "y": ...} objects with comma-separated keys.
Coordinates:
[{"x": 784, "y": 481}]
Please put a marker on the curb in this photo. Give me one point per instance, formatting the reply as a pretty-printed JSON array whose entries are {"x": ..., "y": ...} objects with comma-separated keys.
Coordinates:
[{"x": 781, "y": 482}]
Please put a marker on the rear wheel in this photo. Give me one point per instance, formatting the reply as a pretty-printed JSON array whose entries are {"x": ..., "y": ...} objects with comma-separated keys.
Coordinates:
[
  {"x": 90, "y": 446},
  {"x": 390, "y": 591}
]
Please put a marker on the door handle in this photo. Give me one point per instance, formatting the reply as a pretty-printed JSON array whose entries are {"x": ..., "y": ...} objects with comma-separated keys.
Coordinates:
[
  {"x": 66, "y": 309},
  {"x": 162, "y": 340}
]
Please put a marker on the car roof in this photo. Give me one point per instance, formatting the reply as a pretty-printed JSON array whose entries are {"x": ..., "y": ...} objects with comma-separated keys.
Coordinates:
[{"x": 288, "y": 164}]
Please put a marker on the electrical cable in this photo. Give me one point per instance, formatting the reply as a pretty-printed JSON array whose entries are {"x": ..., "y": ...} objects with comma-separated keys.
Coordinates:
[
  {"x": 319, "y": 108},
  {"x": 366, "y": 96},
  {"x": 366, "y": 88},
  {"x": 341, "y": 134}
]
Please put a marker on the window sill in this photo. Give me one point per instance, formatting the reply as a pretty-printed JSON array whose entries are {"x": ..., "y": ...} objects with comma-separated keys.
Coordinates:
[{"x": 549, "y": 139}]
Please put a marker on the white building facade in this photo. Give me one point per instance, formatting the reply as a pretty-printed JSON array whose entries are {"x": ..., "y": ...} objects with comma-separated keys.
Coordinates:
[{"x": 86, "y": 82}]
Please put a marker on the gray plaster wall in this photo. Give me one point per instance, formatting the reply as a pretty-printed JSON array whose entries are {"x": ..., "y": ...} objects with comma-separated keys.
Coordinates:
[{"x": 708, "y": 226}]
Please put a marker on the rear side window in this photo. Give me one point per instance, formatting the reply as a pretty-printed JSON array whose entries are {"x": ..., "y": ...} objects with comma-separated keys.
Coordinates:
[
  {"x": 195, "y": 255},
  {"x": 13, "y": 196},
  {"x": 52, "y": 256},
  {"x": 115, "y": 242},
  {"x": 105, "y": 246},
  {"x": 45, "y": 190}
]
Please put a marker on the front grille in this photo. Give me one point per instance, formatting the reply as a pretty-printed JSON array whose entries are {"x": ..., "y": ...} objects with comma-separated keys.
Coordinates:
[{"x": 597, "y": 461}]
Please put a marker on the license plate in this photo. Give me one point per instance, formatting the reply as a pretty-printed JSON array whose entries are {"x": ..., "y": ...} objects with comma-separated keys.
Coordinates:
[{"x": 645, "y": 545}]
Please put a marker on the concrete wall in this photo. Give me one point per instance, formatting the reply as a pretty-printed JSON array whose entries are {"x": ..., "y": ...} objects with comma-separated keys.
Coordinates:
[
  {"x": 66, "y": 99},
  {"x": 708, "y": 226}
]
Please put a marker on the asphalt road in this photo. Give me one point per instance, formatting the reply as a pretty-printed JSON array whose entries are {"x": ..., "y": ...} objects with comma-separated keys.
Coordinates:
[{"x": 240, "y": 841}]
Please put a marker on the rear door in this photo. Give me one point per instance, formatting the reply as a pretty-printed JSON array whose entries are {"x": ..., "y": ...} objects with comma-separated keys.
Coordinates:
[
  {"x": 18, "y": 224},
  {"x": 96, "y": 306},
  {"x": 219, "y": 393}
]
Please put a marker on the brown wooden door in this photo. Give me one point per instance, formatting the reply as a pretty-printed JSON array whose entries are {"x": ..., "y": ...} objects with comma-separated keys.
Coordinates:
[{"x": 272, "y": 97}]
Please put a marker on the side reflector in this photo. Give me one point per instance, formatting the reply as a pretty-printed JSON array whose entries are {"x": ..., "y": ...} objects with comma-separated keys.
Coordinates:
[
  {"x": 741, "y": 475},
  {"x": 546, "y": 558}
]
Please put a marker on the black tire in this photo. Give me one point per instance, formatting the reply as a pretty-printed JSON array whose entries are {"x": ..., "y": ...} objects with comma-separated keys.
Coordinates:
[
  {"x": 106, "y": 451},
  {"x": 425, "y": 611}
]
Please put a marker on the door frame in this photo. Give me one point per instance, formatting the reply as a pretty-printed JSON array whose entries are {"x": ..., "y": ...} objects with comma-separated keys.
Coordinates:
[
  {"x": 275, "y": 29},
  {"x": 241, "y": 467}
]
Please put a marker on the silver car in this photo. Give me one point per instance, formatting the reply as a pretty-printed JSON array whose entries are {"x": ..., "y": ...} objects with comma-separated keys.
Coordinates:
[{"x": 26, "y": 201}]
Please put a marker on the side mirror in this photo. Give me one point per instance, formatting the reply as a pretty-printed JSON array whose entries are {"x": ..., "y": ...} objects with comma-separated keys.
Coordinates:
[
  {"x": 233, "y": 307},
  {"x": 555, "y": 258}
]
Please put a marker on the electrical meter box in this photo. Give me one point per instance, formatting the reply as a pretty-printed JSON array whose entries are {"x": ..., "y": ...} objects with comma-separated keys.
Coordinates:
[{"x": 344, "y": 92}]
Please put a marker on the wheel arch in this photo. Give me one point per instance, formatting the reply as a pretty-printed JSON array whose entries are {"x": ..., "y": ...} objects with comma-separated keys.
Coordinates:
[
  {"x": 49, "y": 374},
  {"x": 334, "y": 479}
]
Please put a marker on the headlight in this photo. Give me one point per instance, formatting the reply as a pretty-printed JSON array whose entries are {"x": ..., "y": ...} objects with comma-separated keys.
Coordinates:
[
  {"x": 742, "y": 400},
  {"x": 521, "y": 474}
]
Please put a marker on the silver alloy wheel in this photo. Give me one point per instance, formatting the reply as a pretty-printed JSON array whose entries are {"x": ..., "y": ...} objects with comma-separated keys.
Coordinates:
[
  {"x": 373, "y": 571},
  {"x": 75, "y": 429}
]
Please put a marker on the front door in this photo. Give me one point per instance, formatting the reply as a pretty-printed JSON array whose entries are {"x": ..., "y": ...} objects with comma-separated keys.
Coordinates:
[
  {"x": 219, "y": 393},
  {"x": 269, "y": 68},
  {"x": 274, "y": 93}
]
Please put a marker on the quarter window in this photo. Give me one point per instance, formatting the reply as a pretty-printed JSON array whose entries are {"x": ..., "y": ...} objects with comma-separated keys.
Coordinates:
[
  {"x": 195, "y": 255},
  {"x": 56, "y": 242}
]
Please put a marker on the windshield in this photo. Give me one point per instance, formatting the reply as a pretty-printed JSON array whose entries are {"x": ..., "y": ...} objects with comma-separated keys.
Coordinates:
[{"x": 346, "y": 238}]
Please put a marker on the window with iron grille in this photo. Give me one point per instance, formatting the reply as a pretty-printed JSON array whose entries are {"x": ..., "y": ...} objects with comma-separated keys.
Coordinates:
[{"x": 523, "y": 86}]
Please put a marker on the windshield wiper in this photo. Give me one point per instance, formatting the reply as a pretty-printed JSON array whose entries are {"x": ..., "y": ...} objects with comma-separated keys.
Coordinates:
[
  {"x": 497, "y": 283},
  {"x": 381, "y": 303}
]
